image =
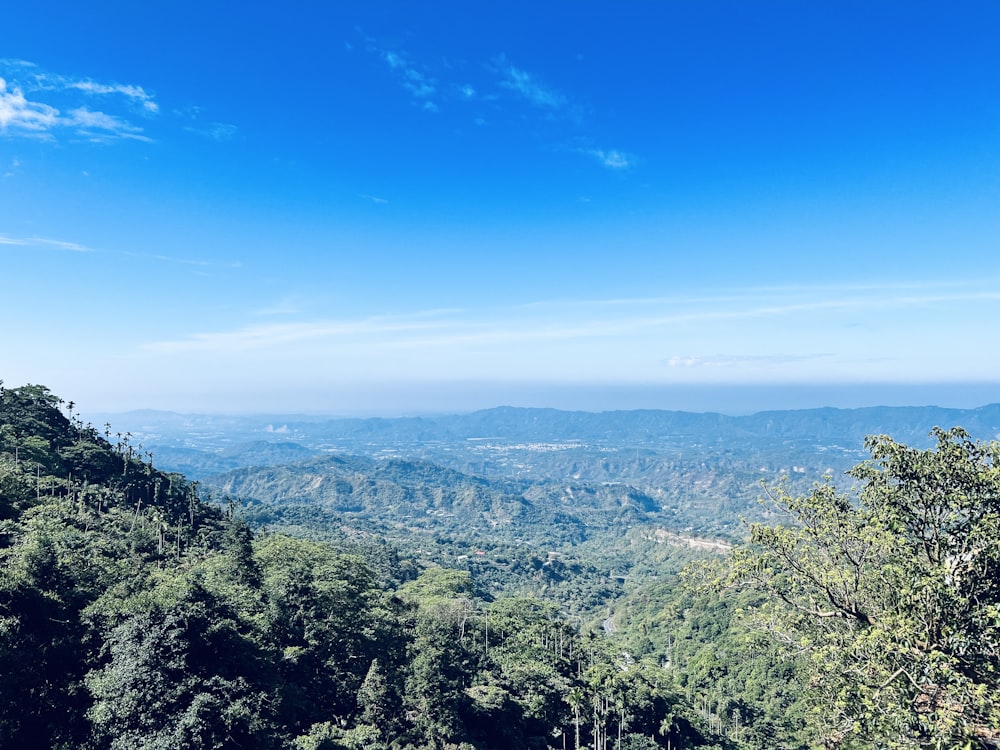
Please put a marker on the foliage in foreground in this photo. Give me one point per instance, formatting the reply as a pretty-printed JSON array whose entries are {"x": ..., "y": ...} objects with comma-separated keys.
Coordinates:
[
  {"x": 895, "y": 598},
  {"x": 133, "y": 614}
]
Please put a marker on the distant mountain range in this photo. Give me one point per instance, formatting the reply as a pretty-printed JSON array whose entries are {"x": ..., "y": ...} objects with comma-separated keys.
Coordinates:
[
  {"x": 647, "y": 428},
  {"x": 515, "y": 468}
]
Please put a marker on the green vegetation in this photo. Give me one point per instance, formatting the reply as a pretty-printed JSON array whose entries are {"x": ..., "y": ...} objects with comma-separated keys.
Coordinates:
[
  {"x": 895, "y": 600},
  {"x": 136, "y": 612}
]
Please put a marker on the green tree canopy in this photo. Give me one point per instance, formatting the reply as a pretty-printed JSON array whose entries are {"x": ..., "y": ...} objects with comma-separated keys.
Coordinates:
[{"x": 895, "y": 594}]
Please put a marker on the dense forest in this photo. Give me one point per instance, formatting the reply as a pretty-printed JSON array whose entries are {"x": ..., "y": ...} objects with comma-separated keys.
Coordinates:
[{"x": 138, "y": 611}]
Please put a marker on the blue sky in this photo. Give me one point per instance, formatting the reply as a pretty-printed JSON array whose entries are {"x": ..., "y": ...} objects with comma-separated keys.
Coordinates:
[{"x": 404, "y": 207}]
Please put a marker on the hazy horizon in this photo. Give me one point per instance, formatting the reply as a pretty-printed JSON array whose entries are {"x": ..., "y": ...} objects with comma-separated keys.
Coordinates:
[{"x": 732, "y": 400}]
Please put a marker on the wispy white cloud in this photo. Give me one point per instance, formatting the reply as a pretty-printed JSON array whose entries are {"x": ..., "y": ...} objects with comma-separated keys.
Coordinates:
[
  {"x": 419, "y": 83},
  {"x": 34, "y": 78},
  {"x": 563, "y": 322},
  {"x": 613, "y": 159},
  {"x": 19, "y": 113},
  {"x": 557, "y": 106},
  {"x": 135, "y": 93},
  {"x": 374, "y": 199},
  {"x": 182, "y": 261},
  {"x": 101, "y": 126},
  {"x": 745, "y": 297},
  {"x": 39, "y": 104},
  {"x": 217, "y": 131},
  {"x": 716, "y": 361},
  {"x": 13, "y": 63},
  {"x": 504, "y": 79},
  {"x": 275, "y": 335},
  {"x": 529, "y": 86},
  {"x": 44, "y": 243},
  {"x": 805, "y": 334}
]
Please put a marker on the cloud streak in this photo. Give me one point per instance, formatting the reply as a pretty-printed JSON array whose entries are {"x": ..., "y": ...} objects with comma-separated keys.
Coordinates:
[
  {"x": 44, "y": 243},
  {"x": 420, "y": 85},
  {"x": 135, "y": 93},
  {"x": 219, "y": 132},
  {"x": 181, "y": 261},
  {"x": 38, "y": 104},
  {"x": 613, "y": 159},
  {"x": 505, "y": 79},
  {"x": 734, "y": 360},
  {"x": 101, "y": 126},
  {"x": 276, "y": 335},
  {"x": 21, "y": 114},
  {"x": 529, "y": 86},
  {"x": 573, "y": 322}
]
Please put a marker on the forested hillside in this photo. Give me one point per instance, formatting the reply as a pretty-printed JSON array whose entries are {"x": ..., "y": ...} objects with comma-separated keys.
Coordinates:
[
  {"x": 137, "y": 613},
  {"x": 134, "y": 614}
]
